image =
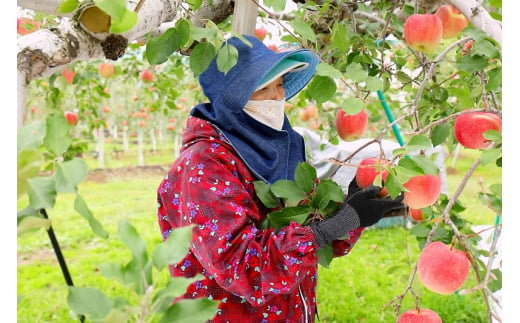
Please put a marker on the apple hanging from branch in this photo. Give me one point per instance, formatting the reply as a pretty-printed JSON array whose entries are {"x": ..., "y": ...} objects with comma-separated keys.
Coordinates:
[
  {"x": 441, "y": 268},
  {"x": 469, "y": 128},
  {"x": 422, "y": 315},
  {"x": 368, "y": 169},
  {"x": 453, "y": 21},
  {"x": 351, "y": 126},
  {"x": 106, "y": 69},
  {"x": 422, "y": 191},
  {"x": 423, "y": 32}
]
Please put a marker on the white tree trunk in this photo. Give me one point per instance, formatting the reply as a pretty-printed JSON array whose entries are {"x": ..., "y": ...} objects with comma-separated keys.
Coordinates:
[
  {"x": 140, "y": 147},
  {"x": 124, "y": 135},
  {"x": 152, "y": 139},
  {"x": 100, "y": 148}
]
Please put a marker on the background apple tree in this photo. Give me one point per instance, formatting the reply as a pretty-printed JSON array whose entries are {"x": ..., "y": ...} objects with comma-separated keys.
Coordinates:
[{"x": 364, "y": 60}]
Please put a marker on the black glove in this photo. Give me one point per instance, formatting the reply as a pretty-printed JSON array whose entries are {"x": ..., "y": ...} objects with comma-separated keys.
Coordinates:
[
  {"x": 361, "y": 209},
  {"x": 353, "y": 186}
]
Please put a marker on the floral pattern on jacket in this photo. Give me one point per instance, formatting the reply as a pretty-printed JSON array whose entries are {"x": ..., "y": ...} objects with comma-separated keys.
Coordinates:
[{"x": 256, "y": 275}]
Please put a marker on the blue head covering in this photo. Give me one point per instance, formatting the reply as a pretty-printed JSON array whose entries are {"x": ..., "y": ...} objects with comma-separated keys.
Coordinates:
[{"x": 270, "y": 154}]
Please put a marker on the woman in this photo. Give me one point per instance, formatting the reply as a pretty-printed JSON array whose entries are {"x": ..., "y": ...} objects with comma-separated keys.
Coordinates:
[{"x": 242, "y": 135}]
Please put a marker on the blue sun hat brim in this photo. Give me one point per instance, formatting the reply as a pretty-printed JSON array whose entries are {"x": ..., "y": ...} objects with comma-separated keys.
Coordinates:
[{"x": 283, "y": 67}]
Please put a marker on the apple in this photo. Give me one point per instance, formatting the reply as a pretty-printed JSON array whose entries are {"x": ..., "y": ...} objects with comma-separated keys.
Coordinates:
[
  {"x": 68, "y": 74},
  {"x": 453, "y": 21},
  {"x": 309, "y": 112},
  {"x": 415, "y": 214},
  {"x": 441, "y": 268},
  {"x": 422, "y": 315},
  {"x": 146, "y": 76},
  {"x": 171, "y": 127},
  {"x": 367, "y": 171},
  {"x": 142, "y": 123},
  {"x": 106, "y": 108},
  {"x": 422, "y": 191},
  {"x": 469, "y": 128},
  {"x": 467, "y": 47},
  {"x": 260, "y": 33},
  {"x": 26, "y": 26},
  {"x": 351, "y": 126},
  {"x": 72, "y": 118},
  {"x": 423, "y": 32},
  {"x": 106, "y": 69},
  {"x": 273, "y": 47}
]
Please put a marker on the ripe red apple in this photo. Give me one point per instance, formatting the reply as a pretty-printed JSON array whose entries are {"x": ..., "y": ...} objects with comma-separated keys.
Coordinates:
[
  {"x": 72, "y": 118},
  {"x": 441, "y": 268},
  {"x": 351, "y": 126},
  {"x": 453, "y": 21},
  {"x": 415, "y": 214},
  {"x": 423, "y": 32},
  {"x": 367, "y": 171},
  {"x": 106, "y": 69},
  {"x": 68, "y": 74},
  {"x": 469, "y": 128},
  {"x": 423, "y": 315},
  {"x": 146, "y": 76},
  {"x": 273, "y": 47},
  {"x": 422, "y": 191},
  {"x": 260, "y": 33},
  {"x": 26, "y": 25}
]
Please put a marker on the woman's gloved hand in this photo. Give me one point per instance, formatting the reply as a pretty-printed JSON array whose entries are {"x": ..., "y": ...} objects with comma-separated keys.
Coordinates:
[{"x": 360, "y": 209}]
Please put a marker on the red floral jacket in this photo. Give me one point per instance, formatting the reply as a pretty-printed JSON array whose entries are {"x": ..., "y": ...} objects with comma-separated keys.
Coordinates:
[{"x": 257, "y": 275}]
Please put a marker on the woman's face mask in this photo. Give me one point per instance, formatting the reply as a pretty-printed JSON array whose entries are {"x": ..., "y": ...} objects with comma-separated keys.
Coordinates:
[{"x": 268, "y": 112}]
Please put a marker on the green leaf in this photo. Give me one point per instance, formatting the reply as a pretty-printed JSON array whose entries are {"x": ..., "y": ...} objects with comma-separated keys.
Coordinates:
[
  {"x": 393, "y": 185},
  {"x": 126, "y": 23},
  {"x": 194, "y": 4},
  {"x": 339, "y": 37},
  {"x": 302, "y": 28},
  {"x": 227, "y": 57},
  {"x": 183, "y": 28},
  {"x": 486, "y": 49},
  {"x": 494, "y": 79},
  {"x": 129, "y": 236},
  {"x": 427, "y": 165},
  {"x": 191, "y": 311},
  {"x": 174, "y": 248},
  {"x": 356, "y": 72},
  {"x": 28, "y": 166},
  {"x": 325, "y": 69},
  {"x": 67, "y": 6},
  {"x": 31, "y": 136},
  {"x": 322, "y": 88},
  {"x": 352, "y": 105},
  {"x": 373, "y": 83},
  {"x": 287, "y": 215},
  {"x": 495, "y": 284},
  {"x": 57, "y": 139},
  {"x": 201, "y": 56},
  {"x": 287, "y": 189},
  {"x": 304, "y": 176},
  {"x": 493, "y": 135},
  {"x": 28, "y": 223},
  {"x": 263, "y": 191},
  {"x": 325, "y": 255},
  {"x": 81, "y": 207},
  {"x": 159, "y": 49},
  {"x": 440, "y": 133},
  {"x": 420, "y": 230},
  {"x": 69, "y": 174},
  {"x": 471, "y": 64},
  {"x": 490, "y": 155},
  {"x": 116, "y": 9},
  {"x": 277, "y": 5},
  {"x": 419, "y": 142},
  {"x": 176, "y": 286},
  {"x": 89, "y": 301},
  {"x": 42, "y": 193},
  {"x": 327, "y": 191}
]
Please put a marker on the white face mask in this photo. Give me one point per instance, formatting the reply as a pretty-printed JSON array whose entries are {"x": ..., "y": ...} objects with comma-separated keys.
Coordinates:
[{"x": 268, "y": 112}]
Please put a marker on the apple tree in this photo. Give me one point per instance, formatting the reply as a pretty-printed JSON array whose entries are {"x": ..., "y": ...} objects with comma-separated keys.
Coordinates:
[{"x": 413, "y": 87}]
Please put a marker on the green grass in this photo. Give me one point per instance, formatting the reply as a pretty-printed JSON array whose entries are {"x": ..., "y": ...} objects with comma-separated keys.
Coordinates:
[{"x": 354, "y": 288}]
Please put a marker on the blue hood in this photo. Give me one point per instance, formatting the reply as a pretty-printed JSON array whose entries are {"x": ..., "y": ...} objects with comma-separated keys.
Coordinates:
[{"x": 270, "y": 154}]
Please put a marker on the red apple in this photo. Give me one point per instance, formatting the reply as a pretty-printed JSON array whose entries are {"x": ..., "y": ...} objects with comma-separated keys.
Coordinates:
[
  {"x": 26, "y": 26},
  {"x": 146, "y": 76},
  {"x": 415, "y": 214},
  {"x": 68, "y": 74},
  {"x": 469, "y": 128},
  {"x": 422, "y": 315},
  {"x": 260, "y": 33},
  {"x": 367, "y": 171},
  {"x": 273, "y": 47},
  {"x": 351, "y": 126},
  {"x": 422, "y": 191},
  {"x": 423, "y": 32},
  {"x": 441, "y": 268},
  {"x": 452, "y": 20},
  {"x": 106, "y": 69},
  {"x": 72, "y": 118}
]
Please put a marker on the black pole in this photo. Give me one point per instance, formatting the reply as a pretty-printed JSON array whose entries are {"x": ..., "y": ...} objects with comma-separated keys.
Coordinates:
[{"x": 59, "y": 255}]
